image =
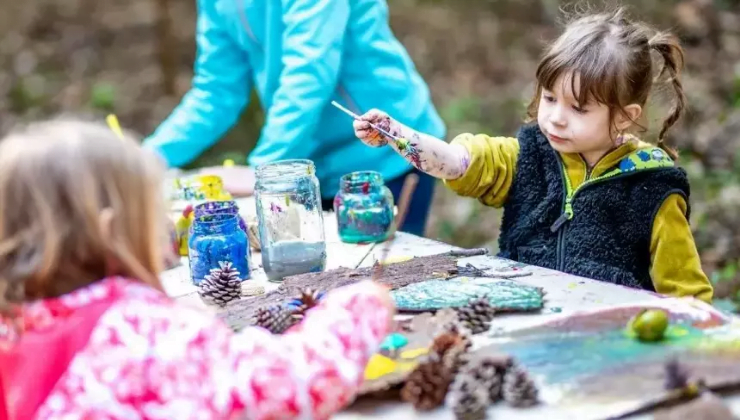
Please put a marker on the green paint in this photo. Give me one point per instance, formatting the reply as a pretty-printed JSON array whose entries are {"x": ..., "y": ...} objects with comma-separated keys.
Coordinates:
[
  {"x": 562, "y": 357},
  {"x": 393, "y": 342},
  {"x": 439, "y": 294},
  {"x": 402, "y": 144}
]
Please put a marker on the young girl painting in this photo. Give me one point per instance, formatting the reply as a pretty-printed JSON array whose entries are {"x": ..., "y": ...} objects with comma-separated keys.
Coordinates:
[
  {"x": 86, "y": 331},
  {"x": 580, "y": 192}
]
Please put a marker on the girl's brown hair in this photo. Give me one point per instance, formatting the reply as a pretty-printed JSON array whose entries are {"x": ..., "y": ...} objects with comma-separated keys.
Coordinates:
[
  {"x": 612, "y": 57},
  {"x": 77, "y": 204}
]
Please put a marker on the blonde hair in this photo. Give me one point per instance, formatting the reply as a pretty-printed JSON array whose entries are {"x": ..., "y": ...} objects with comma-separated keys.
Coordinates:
[
  {"x": 57, "y": 179},
  {"x": 613, "y": 57}
]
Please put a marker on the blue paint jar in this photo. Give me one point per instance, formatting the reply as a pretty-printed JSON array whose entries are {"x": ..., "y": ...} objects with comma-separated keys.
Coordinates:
[
  {"x": 225, "y": 207},
  {"x": 290, "y": 218},
  {"x": 363, "y": 208},
  {"x": 217, "y": 238},
  {"x": 220, "y": 207}
]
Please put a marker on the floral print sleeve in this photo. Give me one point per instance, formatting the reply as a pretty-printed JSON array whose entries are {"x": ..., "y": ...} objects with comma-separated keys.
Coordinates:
[
  {"x": 314, "y": 369},
  {"x": 155, "y": 359}
]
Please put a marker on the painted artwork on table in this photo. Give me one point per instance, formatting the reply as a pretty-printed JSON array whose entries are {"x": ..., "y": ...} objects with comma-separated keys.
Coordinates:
[
  {"x": 590, "y": 365},
  {"x": 431, "y": 295},
  {"x": 403, "y": 350}
]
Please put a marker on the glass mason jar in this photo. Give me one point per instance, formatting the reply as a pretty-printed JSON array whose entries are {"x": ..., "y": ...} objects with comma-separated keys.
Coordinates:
[
  {"x": 217, "y": 238},
  {"x": 290, "y": 218},
  {"x": 225, "y": 207},
  {"x": 364, "y": 208},
  {"x": 220, "y": 207}
]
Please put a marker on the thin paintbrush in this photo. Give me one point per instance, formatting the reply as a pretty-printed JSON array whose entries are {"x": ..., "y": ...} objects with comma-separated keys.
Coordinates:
[{"x": 357, "y": 117}]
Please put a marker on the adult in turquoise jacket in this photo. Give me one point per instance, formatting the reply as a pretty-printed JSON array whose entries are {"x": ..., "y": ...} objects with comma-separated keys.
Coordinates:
[{"x": 300, "y": 55}]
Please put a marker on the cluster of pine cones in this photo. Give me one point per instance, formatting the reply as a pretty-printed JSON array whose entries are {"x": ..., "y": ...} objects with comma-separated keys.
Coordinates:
[
  {"x": 278, "y": 318},
  {"x": 469, "y": 384},
  {"x": 487, "y": 380}
]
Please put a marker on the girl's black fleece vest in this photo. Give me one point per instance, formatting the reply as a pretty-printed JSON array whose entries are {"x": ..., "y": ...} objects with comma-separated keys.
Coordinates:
[{"x": 608, "y": 236}]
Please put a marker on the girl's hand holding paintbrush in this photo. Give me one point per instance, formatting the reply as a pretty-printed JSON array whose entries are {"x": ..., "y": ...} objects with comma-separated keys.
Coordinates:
[{"x": 427, "y": 153}]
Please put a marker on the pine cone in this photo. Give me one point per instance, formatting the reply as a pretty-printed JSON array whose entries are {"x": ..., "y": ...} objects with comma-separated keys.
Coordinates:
[
  {"x": 488, "y": 372},
  {"x": 275, "y": 319},
  {"x": 468, "y": 399},
  {"x": 426, "y": 386},
  {"x": 677, "y": 376},
  {"x": 449, "y": 347},
  {"x": 519, "y": 390},
  {"x": 305, "y": 301},
  {"x": 476, "y": 315},
  {"x": 221, "y": 285}
]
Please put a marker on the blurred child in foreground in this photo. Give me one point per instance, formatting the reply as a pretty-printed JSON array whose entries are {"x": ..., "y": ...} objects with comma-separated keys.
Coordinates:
[{"x": 87, "y": 332}]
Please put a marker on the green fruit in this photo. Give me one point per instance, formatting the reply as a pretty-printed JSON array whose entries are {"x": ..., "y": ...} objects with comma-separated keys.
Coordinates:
[{"x": 650, "y": 325}]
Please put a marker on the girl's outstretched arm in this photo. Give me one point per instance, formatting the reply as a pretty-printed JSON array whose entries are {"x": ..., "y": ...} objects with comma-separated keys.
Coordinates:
[
  {"x": 150, "y": 357},
  {"x": 314, "y": 369},
  {"x": 426, "y": 153}
]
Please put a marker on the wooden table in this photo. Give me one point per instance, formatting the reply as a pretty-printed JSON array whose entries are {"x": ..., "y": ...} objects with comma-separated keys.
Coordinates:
[{"x": 564, "y": 294}]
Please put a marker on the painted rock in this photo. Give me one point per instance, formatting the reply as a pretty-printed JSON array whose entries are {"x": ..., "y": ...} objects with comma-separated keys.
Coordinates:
[
  {"x": 649, "y": 325},
  {"x": 393, "y": 342},
  {"x": 435, "y": 294}
]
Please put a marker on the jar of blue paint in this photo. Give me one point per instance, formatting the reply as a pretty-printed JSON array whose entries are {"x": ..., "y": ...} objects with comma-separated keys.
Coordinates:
[
  {"x": 225, "y": 207},
  {"x": 290, "y": 218},
  {"x": 220, "y": 207},
  {"x": 217, "y": 238},
  {"x": 363, "y": 208}
]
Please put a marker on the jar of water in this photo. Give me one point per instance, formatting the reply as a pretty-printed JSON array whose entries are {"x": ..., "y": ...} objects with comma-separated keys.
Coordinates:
[
  {"x": 290, "y": 217},
  {"x": 364, "y": 208}
]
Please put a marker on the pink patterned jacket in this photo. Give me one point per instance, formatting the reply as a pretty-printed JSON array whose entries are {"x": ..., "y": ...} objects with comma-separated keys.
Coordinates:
[{"x": 148, "y": 357}]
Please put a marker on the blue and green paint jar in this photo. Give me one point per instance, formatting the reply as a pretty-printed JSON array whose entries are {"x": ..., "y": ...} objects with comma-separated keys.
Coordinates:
[{"x": 364, "y": 208}]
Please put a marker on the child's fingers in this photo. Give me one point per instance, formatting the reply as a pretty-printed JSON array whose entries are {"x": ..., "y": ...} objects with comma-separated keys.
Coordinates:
[
  {"x": 374, "y": 116},
  {"x": 361, "y": 125},
  {"x": 364, "y": 134}
]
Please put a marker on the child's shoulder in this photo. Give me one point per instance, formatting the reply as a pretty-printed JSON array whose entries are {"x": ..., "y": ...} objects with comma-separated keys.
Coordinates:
[{"x": 642, "y": 155}]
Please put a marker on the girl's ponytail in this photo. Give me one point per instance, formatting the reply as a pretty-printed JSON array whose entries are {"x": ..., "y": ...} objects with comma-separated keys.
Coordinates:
[{"x": 670, "y": 50}]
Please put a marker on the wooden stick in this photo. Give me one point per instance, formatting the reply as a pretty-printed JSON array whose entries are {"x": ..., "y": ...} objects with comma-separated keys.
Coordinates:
[{"x": 404, "y": 200}]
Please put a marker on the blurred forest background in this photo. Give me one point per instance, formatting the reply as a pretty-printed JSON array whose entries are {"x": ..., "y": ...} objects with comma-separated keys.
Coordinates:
[{"x": 134, "y": 58}]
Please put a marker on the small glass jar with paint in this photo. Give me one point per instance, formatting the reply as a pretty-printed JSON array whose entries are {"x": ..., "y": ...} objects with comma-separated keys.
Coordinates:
[
  {"x": 225, "y": 207},
  {"x": 363, "y": 208},
  {"x": 216, "y": 239},
  {"x": 220, "y": 207},
  {"x": 290, "y": 218}
]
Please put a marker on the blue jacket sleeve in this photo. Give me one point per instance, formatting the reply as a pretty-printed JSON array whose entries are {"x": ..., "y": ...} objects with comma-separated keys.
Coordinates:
[
  {"x": 219, "y": 93},
  {"x": 311, "y": 57}
]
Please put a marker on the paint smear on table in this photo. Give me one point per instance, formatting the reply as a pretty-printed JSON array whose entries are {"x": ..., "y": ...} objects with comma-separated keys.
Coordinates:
[{"x": 590, "y": 366}]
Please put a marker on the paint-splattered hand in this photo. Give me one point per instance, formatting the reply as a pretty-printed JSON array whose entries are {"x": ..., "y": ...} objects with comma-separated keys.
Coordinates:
[{"x": 365, "y": 132}]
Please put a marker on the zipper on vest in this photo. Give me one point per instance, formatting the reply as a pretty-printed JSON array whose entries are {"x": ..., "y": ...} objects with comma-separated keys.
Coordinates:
[
  {"x": 569, "y": 194},
  {"x": 567, "y": 213}
]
